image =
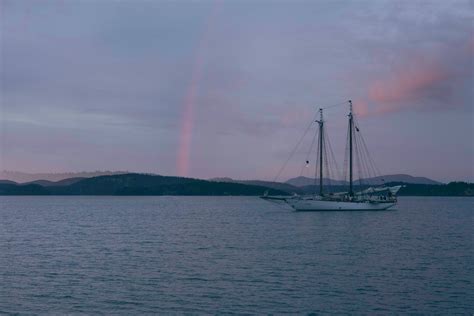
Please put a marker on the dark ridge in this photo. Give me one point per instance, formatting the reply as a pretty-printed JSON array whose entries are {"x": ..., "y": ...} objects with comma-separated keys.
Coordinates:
[
  {"x": 141, "y": 184},
  {"x": 408, "y": 189},
  {"x": 450, "y": 189},
  {"x": 16, "y": 189},
  {"x": 7, "y": 182},
  {"x": 145, "y": 184}
]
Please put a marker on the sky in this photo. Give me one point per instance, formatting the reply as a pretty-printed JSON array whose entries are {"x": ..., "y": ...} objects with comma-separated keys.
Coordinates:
[{"x": 226, "y": 88}]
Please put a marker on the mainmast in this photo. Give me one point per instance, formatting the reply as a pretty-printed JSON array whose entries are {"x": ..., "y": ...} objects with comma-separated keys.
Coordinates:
[
  {"x": 321, "y": 138},
  {"x": 351, "y": 193}
]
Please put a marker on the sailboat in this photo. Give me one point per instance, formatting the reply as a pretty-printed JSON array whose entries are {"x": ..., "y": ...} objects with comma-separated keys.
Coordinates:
[{"x": 370, "y": 198}]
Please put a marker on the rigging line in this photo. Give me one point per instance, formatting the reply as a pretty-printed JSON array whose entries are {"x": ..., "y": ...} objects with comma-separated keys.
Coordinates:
[
  {"x": 326, "y": 164},
  {"x": 371, "y": 161},
  {"x": 317, "y": 166},
  {"x": 345, "y": 166},
  {"x": 372, "y": 167},
  {"x": 361, "y": 163},
  {"x": 358, "y": 157},
  {"x": 296, "y": 147},
  {"x": 333, "y": 105},
  {"x": 309, "y": 154},
  {"x": 329, "y": 163},
  {"x": 367, "y": 162},
  {"x": 361, "y": 168},
  {"x": 365, "y": 173},
  {"x": 333, "y": 160},
  {"x": 335, "y": 172}
]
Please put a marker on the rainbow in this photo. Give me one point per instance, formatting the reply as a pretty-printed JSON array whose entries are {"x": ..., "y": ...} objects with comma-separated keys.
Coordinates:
[
  {"x": 188, "y": 114},
  {"x": 187, "y": 122}
]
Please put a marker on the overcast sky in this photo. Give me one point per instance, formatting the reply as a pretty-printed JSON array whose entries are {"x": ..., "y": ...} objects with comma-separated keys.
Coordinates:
[{"x": 226, "y": 88}]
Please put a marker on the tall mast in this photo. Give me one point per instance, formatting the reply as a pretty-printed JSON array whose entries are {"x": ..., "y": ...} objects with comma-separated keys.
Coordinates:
[
  {"x": 321, "y": 123},
  {"x": 350, "y": 148}
]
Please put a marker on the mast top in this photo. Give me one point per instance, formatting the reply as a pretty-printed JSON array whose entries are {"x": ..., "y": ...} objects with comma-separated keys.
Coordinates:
[
  {"x": 320, "y": 116},
  {"x": 350, "y": 107}
]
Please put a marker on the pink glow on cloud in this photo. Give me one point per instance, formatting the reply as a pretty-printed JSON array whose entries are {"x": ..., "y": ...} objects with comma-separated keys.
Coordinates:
[
  {"x": 419, "y": 82},
  {"x": 406, "y": 84},
  {"x": 415, "y": 84},
  {"x": 422, "y": 81},
  {"x": 361, "y": 107}
]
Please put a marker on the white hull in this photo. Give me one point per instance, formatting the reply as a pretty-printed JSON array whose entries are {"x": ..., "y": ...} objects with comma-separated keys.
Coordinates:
[{"x": 318, "y": 205}]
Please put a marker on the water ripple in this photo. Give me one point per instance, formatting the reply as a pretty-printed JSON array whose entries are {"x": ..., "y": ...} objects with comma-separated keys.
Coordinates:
[{"x": 141, "y": 255}]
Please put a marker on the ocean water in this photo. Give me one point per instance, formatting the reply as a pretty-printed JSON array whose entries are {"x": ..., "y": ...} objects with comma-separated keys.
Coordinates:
[{"x": 131, "y": 255}]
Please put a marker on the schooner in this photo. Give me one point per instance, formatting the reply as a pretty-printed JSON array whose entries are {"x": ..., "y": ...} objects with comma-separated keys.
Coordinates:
[{"x": 371, "y": 198}]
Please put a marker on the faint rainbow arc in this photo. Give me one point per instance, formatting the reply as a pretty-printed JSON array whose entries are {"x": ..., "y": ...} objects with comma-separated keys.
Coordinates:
[{"x": 188, "y": 114}]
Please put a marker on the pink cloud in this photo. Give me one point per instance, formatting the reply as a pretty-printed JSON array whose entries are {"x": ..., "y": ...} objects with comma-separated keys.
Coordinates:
[
  {"x": 361, "y": 107},
  {"x": 420, "y": 82},
  {"x": 412, "y": 82}
]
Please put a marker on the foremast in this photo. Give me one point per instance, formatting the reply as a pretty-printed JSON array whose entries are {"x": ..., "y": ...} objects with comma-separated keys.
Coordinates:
[
  {"x": 351, "y": 124},
  {"x": 320, "y": 150}
]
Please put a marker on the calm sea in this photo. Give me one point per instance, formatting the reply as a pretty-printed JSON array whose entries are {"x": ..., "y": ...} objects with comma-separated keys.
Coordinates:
[{"x": 129, "y": 255}]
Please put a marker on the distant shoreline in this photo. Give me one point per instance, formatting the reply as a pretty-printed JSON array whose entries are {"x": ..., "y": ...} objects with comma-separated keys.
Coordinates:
[
  {"x": 223, "y": 196},
  {"x": 134, "y": 184}
]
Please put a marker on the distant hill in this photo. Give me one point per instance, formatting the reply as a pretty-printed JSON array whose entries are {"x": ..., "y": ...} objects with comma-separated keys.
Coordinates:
[
  {"x": 405, "y": 178},
  {"x": 450, "y": 189},
  {"x": 17, "y": 189},
  {"x": 223, "y": 179},
  {"x": 273, "y": 185},
  {"x": 23, "y": 177},
  {"x": 408, "y": 189},
  {"x": 46, "y": 183},
  {"x": 305, "y": 181},
  {"x": 137, "y": 184},
  {"x": 7, "y": 182},
  {"x": 142, "y": 184}
]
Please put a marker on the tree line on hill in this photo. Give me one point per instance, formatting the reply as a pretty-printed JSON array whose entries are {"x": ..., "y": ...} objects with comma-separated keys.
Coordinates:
[{"x": 142, "y": 184}]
